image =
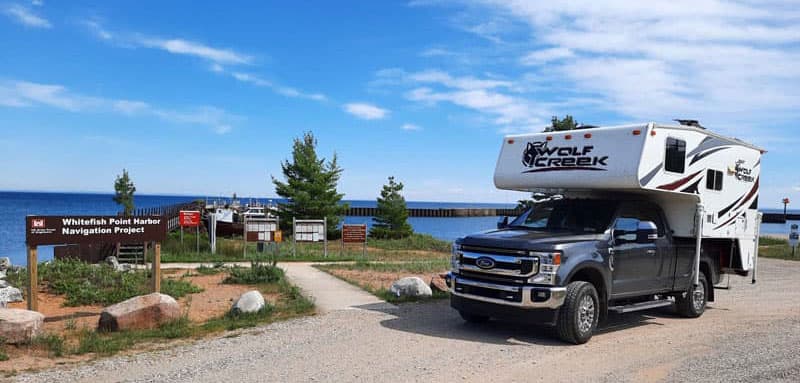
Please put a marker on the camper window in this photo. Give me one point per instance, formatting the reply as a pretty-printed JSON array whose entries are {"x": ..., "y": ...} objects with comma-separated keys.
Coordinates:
[
  {"x": 676, "y": 155},
  {"x": 714, "y": 180}
]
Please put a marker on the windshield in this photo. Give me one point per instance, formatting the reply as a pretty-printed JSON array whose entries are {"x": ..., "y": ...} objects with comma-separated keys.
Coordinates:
[{"x": 579, "y": 216}]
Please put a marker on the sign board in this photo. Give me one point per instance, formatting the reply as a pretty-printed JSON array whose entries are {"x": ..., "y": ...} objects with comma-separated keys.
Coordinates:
[
  {"x": 309, "y": 230},
  {"x": 354, "y": 233},
  {"x": 794, "y": 236},
  {"x": 260, "y": 229},
  {"x": 64, "y": 230},
  {"x": 189, "y": 218}
]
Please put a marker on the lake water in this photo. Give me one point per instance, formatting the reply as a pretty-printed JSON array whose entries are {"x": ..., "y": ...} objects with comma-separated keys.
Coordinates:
[{"x": 14, "y": 206}]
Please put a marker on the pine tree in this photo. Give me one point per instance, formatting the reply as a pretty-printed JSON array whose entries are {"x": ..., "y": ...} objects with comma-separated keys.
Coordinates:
[
  {"x": 123, "y": 192},
  {"x": 391, "y": 217},
  {"x": 310, "y": 186},
  {"x": 567, "y": 123}
]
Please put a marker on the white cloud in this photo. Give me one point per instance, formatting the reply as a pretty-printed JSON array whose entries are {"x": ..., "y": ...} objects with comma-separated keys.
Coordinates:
[
  {"x": 98, "y": 30},
  {"x": 410, "y": 127},
  {"x": 546, "y": 55},
  {"x": 279, "y": 89},
  {"x": 366, "y": 111},
  {"x": 26, "y": 16},
  {"x": 191, "y": 48},
  {"x": 24, "y": 94}
]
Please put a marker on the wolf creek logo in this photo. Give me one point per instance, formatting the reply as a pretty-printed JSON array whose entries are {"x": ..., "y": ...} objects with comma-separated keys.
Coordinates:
[
  {"x": 740, "y": 172},
  {"x": 542, "y": 158}
]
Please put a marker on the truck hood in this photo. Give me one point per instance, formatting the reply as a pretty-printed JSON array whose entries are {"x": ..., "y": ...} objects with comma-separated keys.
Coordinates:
[{"x": 525, "y": 239}]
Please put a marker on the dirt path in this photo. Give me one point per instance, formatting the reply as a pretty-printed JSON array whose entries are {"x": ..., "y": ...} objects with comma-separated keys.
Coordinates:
[{"x": 752, "y": 333}]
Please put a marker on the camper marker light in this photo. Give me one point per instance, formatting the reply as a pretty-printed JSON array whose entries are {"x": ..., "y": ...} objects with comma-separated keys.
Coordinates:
[
  {"x": 549, "y": 138},
  {"x": 587, "y": 135},
  {"x": 653, "y": 132},
  {"x": 510, "y": 141},
  {"x": 637, "y": 132},
  {"x": 568, "y": 136}
]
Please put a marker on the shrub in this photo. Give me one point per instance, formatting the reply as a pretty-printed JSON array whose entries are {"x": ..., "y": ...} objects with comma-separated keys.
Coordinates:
[{"x": 258, "y": 273}]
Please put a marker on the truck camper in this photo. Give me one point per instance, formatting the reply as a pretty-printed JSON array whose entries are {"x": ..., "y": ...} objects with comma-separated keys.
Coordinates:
[{"x": 638, "y": 217}]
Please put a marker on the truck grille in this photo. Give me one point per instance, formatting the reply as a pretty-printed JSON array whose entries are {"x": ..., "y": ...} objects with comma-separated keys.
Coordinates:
[
  {"x": 511, "y": 294},
  {"x": 497, "y": 265}
]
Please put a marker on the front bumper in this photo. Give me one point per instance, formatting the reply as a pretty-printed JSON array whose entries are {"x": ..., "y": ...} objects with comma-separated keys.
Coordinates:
[{"x": 524, "y": 297}]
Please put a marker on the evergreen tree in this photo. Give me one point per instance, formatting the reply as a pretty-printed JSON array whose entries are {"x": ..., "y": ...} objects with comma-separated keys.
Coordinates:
[
  {"x": 391, "y": 217},
  {"x": 310, "y": 186},
  {"x": 567, "y": 123},
  {"x": 123, "y": 192}
]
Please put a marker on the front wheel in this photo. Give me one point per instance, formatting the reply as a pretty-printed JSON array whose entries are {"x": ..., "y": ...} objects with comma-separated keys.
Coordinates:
[
  {"x": 692, "y": 304},
  {"x": 578, "y": 316}
]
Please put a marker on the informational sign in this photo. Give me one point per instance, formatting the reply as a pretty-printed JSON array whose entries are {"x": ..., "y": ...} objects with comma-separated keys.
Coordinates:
[
  {"x": 794, "y": 236},
  {"x": 310, "y": 230},
  {"x": 260, "y": 229},
  {"x": 63, "y": 230},
  {"x": 354, "y": 233},
  {"x": 189, "y": 218}
]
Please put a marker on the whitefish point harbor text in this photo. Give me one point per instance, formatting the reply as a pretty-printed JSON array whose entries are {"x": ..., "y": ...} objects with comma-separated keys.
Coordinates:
[{"x": 93, "y": 226}]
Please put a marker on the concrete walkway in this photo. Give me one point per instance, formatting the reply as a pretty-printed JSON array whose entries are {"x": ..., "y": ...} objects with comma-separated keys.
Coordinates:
[{"x": 328, "y": 292}]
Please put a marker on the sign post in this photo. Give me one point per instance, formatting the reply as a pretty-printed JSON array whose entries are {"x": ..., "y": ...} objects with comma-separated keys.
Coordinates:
[
  {"x": 794, "y": 238},
  {"x": 310, "y": 230},
  {"x": 355, "y": 234},
  {"x": 68, "y": 230},
  {"x": 190, "y": 218}
]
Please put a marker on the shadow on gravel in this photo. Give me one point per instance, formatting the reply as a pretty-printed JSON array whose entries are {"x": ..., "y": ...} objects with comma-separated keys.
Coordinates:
[{"x": 437, "y": 319}]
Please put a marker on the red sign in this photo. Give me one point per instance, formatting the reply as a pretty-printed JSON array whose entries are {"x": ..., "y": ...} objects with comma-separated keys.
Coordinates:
[
  {"x": 189, "y": 218},
  {"x": 354, "y": 233}
]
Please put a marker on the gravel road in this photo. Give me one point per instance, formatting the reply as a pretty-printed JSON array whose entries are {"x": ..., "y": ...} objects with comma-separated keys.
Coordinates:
[{"x": 752, "y": 333}]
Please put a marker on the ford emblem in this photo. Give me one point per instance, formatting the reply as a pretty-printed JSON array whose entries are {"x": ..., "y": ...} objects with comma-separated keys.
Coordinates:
[{"x": 485, "y": 263}]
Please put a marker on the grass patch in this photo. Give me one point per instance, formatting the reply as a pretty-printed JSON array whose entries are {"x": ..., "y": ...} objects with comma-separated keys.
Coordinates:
[
  {"x": 772, "y": 241},
  {"x": 257, "y": 273},
  {"x": 213, "y": 270},
  {"x": 416, "y": 241},
  {"x": 54, "y": 344}
]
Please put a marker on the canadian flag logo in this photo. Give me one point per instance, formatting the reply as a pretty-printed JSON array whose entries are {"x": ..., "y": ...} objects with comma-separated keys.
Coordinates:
[{"x": 37, "y": 223}]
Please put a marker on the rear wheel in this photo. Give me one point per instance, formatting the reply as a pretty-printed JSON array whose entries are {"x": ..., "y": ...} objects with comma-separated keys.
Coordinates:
[
  {"x": 578, "y": 316},
  {"x": 473, "y": 318},
  {"x": 692, "y": 304}
]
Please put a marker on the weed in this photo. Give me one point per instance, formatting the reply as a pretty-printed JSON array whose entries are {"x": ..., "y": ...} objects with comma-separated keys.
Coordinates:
[
  {"x": 51, "y": 342},
  {"x": 258, "y": 273},
  {"x": 205, "y": 270},
  {"x": 70, "y": 324}
]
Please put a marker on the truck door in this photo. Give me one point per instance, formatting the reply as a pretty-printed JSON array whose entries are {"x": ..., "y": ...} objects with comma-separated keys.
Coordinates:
[{"x": 637, "y": 265}]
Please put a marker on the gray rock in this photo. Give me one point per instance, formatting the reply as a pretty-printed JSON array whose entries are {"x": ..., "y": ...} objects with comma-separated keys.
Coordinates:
[
  {"x": 20, "y": 326},
  {"x": 10, "y": 294},
  {"x": 119, "y": 267},
  {"x": 411, "y": 287},
  {"x": 3, "y": 283},
  {"x": 249, "y": 302},
  {"x": 5, "y": 263}
]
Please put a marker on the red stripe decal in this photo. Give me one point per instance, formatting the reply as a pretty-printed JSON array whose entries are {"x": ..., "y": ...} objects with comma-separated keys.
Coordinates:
[{"x": 678, "y": 183}]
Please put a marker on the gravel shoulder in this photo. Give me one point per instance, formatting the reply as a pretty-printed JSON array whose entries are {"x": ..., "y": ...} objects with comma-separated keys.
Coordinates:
[{"x": 752, "y": 333}]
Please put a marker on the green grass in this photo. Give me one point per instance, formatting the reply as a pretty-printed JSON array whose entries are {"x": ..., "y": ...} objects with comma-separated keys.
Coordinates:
[
  {"x": 102, "y": 343},
  {"x": 771, "y": 241},
  {"x": 778, "y": 248},
  {"x": 257, "y": 273},
  {"x": 50, "y": 342},
  {"x": 230, "y": 250},
  {"x": 85, "y": 284}
]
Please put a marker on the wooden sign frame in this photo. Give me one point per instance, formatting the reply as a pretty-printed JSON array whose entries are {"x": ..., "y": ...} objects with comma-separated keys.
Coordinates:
[
  {"x": 355, "y": 233},
  {"x": 315, "y": 222}
]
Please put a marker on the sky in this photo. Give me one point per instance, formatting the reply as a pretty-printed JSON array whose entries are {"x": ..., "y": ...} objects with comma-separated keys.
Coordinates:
[{"x": 205, "y": 98}]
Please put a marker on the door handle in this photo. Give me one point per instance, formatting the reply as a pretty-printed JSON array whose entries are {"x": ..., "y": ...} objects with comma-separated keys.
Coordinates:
[{"x": 651, "y": 252}]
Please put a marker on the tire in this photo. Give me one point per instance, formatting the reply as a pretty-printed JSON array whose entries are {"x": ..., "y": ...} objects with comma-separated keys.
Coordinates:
[
  {"x": 473, "y": 318},
  {"x": 578, "y": 316},
  {"x": 686, "y": 304}
]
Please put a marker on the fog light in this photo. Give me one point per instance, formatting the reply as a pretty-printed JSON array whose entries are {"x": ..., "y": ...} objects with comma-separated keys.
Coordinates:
[{"x": 540, "y": 295}]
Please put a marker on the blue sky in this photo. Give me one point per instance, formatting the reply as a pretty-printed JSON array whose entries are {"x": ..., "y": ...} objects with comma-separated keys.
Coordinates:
[{"x": 204, "y": 99}]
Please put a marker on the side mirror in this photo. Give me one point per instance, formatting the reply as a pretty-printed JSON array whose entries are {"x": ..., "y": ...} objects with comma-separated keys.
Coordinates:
[
  {"x": 647, "y": 232},
  {"x": 502, "y": 223}
]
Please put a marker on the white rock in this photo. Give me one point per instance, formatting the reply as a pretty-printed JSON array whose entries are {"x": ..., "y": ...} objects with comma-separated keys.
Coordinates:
[
  {"x": 20, "y": 326},
  {"x": 412, "y": 287},
  {"x": 249, "y": 302},
  {"x": 10, "y": 294}
]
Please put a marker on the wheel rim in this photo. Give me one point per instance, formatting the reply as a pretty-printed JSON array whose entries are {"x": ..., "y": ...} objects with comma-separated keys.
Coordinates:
[
  {"x": 586, "y": 314},
  {"x": 699, "y": 297}
]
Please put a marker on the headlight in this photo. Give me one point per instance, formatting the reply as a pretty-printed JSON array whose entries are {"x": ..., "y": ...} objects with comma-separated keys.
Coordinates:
[
  {"x": 455, "y": 255},
  {"x": 548, "y": 267}
]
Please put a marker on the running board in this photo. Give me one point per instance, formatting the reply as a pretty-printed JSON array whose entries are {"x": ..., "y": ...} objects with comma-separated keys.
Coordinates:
[{"x": 640, "y": 306}]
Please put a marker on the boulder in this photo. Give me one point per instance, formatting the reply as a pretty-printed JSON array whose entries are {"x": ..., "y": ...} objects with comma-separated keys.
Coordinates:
[
  {"x": 142, "y": 312},
  {"x": 10, "y": 294},
  {"x": 5, "y": 265},
  {"x": 120, "y": 267},
  {"x": 249, "y": 302},
  {"x": 437, "y": 284},
  {"x": 20, "y": 326},
  {"x": 411, "y": 287}
]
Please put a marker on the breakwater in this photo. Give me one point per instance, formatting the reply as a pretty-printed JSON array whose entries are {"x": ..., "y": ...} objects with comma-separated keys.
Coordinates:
[
  {"x": 779, "y": 217},
  {"x": 440, "y": 213}
]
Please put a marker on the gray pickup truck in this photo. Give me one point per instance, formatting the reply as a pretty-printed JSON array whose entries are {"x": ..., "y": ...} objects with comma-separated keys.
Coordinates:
[{"x": 568, "y": 262}]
